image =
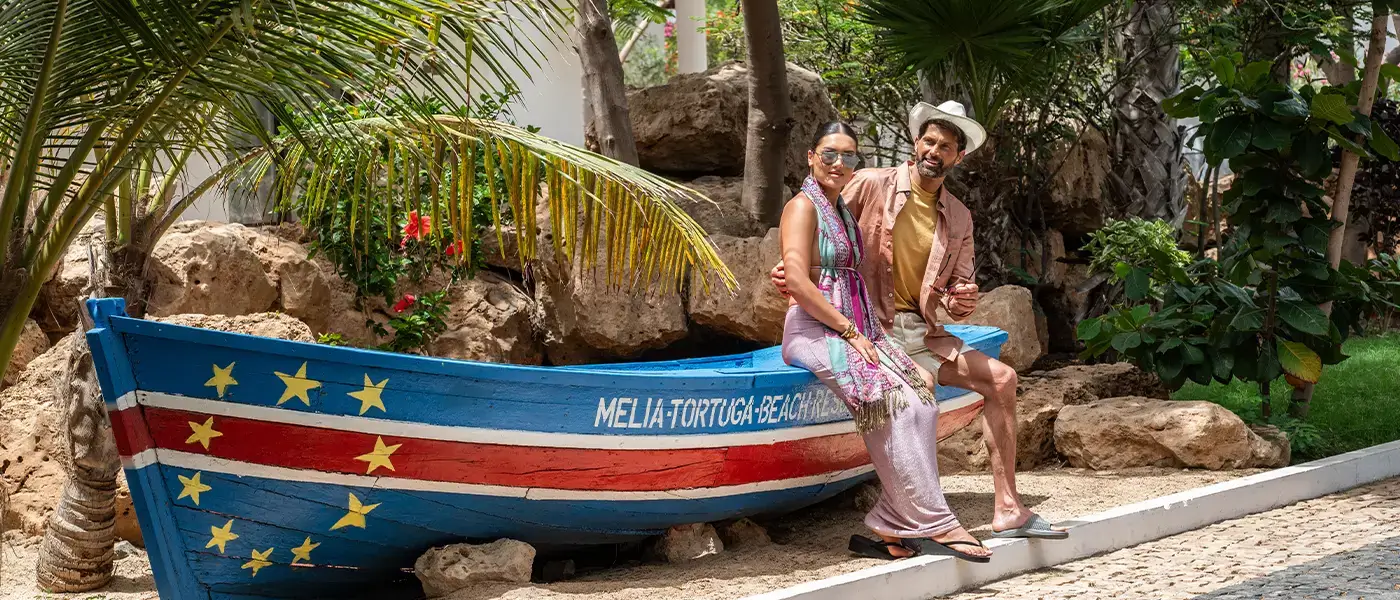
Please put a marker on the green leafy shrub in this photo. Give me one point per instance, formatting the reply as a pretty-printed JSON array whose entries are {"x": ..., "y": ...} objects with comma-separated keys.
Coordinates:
[
  {"x": 1133, "y": 249},
  {"x": 1252, "y": 315}
]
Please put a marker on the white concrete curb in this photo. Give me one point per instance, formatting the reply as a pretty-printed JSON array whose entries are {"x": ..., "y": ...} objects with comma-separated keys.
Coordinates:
[{"x": 928, "y": 577}]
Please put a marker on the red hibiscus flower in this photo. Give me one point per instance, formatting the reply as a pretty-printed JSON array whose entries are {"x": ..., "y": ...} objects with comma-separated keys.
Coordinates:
[
  {"x": 458, "y": 247},
  {"x": 404, "y": 303},
  {"x": 417, "y": 228}
]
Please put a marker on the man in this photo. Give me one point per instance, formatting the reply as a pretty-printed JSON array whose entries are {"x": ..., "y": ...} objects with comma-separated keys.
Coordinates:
[{"x": 918, "y": 259}]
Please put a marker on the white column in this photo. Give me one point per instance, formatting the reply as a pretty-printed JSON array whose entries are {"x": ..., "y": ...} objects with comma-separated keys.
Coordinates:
[{"x": 690, "y": 36}]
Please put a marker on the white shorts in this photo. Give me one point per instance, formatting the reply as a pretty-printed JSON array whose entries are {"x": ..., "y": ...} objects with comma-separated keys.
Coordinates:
[{"x": 908, "y": 333}]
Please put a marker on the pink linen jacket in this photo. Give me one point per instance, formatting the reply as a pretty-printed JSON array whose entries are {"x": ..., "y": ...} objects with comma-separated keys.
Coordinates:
[{"x": 875, "y": 197}]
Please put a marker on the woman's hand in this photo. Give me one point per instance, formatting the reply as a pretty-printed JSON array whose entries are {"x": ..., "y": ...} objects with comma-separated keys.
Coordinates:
[{"x": 865, "y": 348}]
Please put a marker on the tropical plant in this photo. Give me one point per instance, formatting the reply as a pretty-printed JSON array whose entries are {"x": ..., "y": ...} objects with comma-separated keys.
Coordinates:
[
  {"x": 990, "y": 52},
  {"x": 1252, "y": 315}
]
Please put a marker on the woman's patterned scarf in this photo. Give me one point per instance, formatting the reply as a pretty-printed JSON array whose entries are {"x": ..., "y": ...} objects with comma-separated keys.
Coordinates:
[{"x": 872, "y": 393}]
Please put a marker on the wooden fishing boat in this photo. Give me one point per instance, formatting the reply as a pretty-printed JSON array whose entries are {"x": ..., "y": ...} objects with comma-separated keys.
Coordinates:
[{"x": 265, "y": 468}]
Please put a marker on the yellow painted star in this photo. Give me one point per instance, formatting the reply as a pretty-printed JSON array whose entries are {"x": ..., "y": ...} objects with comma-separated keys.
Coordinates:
[
  {"x": 202, "y": 433},
  {"x": 379, "y": 457},
  {"x": 259, "y": 561},
  {"x": 303, "y": 552},
  {"x": 356, "y": 515},
  {"x": 297, "y": 386},
  {"x": 370, "y": 396},
  {"x": 193, "y": 487},
  {"x": 222, "y": 378},
  {"x": 221, "y": 536}
]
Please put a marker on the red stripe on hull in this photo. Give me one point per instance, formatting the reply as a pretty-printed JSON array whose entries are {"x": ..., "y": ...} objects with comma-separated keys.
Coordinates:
[
  {"x": 132, "y": 436},
  {"x": 300, "y": 447}
]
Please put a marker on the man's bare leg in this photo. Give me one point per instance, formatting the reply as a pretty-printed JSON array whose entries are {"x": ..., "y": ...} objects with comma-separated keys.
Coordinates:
[{"x": 996, "y": 382}]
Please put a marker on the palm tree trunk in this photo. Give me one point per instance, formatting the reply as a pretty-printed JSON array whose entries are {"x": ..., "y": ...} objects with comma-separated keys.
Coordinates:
[
  {"x": 1148, "y": 180},
  {"x": 770, "y": 112},
  {"x": 76, "y": 555},
  {"x": 607, "y": 123}
]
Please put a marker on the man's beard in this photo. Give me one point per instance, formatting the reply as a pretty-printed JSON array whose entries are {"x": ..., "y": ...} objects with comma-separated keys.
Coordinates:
[{"x": 934, "y": 171}]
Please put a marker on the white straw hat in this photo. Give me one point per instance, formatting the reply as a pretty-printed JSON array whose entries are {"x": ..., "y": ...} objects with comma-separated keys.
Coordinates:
[{"x": 953, "y": 112}]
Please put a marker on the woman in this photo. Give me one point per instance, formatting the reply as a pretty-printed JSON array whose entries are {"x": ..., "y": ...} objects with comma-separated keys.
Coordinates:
[{"x": 832, "y": 331}]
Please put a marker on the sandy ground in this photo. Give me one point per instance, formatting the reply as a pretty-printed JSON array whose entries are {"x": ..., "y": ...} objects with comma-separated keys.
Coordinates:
[{"x": 808, "y": 545}]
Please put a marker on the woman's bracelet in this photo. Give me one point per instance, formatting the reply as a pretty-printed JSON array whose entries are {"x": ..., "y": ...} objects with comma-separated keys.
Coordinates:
[{"x": 851, "y": 332}]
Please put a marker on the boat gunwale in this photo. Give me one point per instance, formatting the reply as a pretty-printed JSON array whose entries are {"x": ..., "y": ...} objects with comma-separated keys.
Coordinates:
[{"x": 582, "y": 376}]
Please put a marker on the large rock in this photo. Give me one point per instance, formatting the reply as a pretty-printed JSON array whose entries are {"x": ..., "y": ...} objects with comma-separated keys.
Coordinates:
[
  {"x": 1120, "y": 433},
  {"x": 1077, "y": 204},
  {"x": 450, "y": 568},
  {"x": 756, "y": 310},
  {"x": 273, "y": 325},
  {"x": 32, "y": 343},
  {"x": 489, "y": 320},
  {"x": 1039, "y": 400},
  {"x": 1012, "y": 309},
  {"x": 1108, "y": 380},
  {"x": 583, "y": 319},
  {"x": 32, "y": 447},
  {"x": 303, "y": 286},
  {"x": 724, "y": 214},
  {"x": 1270, "y": 447},
  {"x": 697, "y": 124},
  {"x": 208, "y": 268}
]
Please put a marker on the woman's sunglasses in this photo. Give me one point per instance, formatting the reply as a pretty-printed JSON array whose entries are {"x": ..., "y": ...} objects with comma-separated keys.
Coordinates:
[{"x": 849, "y": 159}]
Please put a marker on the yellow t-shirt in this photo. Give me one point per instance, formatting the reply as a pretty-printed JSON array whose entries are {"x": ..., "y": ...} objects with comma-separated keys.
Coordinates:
[{"x": 913, "y": 240}]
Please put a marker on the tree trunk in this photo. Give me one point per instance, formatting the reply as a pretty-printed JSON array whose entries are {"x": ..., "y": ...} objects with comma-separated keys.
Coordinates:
[
  {"x": 1341, "y": 205},
  {"x": 770, "y": 113},
  {"x": 608, "y": 126},
  {"x": 76, "y": 555},
  {"x": 1148, "y": 180}
]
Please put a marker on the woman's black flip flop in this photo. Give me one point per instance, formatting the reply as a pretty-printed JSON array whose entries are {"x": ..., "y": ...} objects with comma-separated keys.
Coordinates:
[
  {"x": 865, "y": 546},
  {"x": 936, "y": 548}
]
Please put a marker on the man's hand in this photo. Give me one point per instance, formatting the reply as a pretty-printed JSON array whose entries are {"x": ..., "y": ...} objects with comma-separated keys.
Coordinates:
[
  {"x": 962, "y": 298},
  {"x": 779, "y": 277}
]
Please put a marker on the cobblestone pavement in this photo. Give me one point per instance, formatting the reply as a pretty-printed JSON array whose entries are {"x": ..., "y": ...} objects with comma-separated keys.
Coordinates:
[{"x": 1344, "y": 546}]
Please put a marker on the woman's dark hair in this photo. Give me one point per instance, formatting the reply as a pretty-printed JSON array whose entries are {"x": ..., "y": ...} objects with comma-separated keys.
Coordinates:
[{"x": 833, "y": 127}]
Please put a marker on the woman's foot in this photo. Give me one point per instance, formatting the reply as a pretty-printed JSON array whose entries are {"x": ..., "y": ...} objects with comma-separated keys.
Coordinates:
[
  {"x": 973, "y": 547},
  {"x": 896, "y": 551}
]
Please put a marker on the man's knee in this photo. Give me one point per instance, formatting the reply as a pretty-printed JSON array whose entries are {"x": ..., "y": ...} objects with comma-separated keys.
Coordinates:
[{"x": 1004, "y": 380}]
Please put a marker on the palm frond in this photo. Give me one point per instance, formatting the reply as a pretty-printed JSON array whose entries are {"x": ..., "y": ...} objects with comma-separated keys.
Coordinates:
[
  {"x": 598, "y": 208},
  {"x": 982, "y": 45}
]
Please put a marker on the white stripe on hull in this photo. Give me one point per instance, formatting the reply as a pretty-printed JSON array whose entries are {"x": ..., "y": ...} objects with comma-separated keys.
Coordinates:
[
  {"x": 505, "y": 437},
  {"x": 200, "y": 462}
]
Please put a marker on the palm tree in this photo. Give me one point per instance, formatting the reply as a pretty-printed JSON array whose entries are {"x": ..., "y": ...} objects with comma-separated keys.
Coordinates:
[
  {"x": 989, "y": 51},
  {"x": 1147, "y": 180},
  {"x": 103, "y": 101},
  {"x": 770, "y": 113}
]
